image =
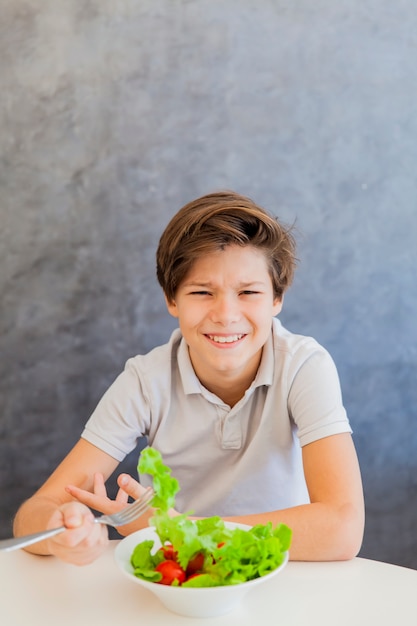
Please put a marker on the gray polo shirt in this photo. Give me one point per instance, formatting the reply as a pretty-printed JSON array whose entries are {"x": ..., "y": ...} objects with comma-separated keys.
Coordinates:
[{"x": 229, "y": 461}]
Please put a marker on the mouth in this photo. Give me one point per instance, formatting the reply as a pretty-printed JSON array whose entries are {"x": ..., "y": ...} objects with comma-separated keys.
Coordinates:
[{"x": 225, "y": 339}]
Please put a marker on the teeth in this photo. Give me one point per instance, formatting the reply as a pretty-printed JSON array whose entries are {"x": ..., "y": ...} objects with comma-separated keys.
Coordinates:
[{"x": 229, "y": 339}]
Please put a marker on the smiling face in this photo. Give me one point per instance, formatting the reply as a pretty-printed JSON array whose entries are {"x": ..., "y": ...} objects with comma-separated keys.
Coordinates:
[{"x": 225, "y": 307}]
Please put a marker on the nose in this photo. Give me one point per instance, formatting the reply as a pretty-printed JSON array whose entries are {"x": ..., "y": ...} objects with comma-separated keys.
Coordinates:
[{"x": 225, "y": 310}]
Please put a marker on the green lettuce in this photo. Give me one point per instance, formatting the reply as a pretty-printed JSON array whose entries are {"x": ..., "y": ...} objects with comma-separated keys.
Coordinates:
[
  {"x": 164, "y": 485},
  {"x": 231, "y": 556}
]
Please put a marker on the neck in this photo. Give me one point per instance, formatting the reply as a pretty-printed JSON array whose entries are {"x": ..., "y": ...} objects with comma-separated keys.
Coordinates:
[{"x": 229, "y": 387}]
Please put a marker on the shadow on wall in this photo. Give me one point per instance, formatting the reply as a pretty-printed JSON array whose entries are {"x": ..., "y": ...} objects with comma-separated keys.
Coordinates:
[{"x": 386, "y": 442}]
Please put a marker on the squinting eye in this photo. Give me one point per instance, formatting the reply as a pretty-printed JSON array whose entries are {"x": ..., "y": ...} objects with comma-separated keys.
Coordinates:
[
  {"x": 199, "y": 293},
  {"x": 249, "y": 293}
]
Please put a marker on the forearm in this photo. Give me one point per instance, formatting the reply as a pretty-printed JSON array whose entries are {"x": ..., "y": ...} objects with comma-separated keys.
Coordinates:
[
  {"x": 33, "y": 516},
  {"x": 53, "y": 505},
  {"x": 321, "y": 532}
]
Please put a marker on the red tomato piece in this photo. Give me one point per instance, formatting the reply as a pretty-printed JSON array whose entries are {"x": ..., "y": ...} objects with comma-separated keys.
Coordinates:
[
  {"x": 170, "y": 571},
  {"x": 195, "y": 564},
  {"x": 169, "y": 552}
]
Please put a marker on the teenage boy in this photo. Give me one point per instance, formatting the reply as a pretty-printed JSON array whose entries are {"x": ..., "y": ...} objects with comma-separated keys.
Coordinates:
[{"x": 248, "y": 416}]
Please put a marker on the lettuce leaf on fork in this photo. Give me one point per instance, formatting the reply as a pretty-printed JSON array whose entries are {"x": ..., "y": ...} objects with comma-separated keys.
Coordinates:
[
  {"x": 165, "y": 486},
  {"x": 231, "y": 556}
]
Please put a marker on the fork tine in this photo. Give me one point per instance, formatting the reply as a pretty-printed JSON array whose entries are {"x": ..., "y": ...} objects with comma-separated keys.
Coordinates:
[
  {"x": 132, "y": 511},
  {"x": 132, "y": 514}
]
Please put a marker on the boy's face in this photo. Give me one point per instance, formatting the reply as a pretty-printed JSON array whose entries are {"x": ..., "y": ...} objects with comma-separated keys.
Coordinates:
[{"x": 225, "y": 307}]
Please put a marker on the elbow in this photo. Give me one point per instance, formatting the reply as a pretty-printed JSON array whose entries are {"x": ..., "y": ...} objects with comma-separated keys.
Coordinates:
[
  {"x": 349, "y": 536},
  {"x": 348, "y": 551}
]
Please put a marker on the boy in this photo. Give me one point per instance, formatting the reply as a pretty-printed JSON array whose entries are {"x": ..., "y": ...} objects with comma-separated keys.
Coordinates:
[{"x": 248, "y": 415}]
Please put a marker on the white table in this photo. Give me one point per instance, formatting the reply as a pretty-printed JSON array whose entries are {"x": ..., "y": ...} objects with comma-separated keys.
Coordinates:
[{"x": 43, "y": 591}]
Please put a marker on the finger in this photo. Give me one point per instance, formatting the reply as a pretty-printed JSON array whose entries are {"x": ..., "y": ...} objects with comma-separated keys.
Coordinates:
[
  {"x": 99, "y": 486},
  {"x": 83, "y": 551},
  {"x": 98, "y": 503},
  {"x": 122, "y": 497},
  {"x": 72, "y": 515},
  {"x": 131, "y": 486},
  {"x": 76, "y": 514}
]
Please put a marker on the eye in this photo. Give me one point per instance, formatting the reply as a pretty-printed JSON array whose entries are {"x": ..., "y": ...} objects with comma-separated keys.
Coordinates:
[
  {"x": 248, "y": 292},
  {"x": 199, "y": 293}
]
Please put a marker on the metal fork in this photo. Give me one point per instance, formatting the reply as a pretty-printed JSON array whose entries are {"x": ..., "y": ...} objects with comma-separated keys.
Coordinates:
[{"x": 125, "y": 516}]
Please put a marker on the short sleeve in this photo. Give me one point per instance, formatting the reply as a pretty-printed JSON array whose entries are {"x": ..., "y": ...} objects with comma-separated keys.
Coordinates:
[
  {"x": 315, "y": 399},
  {"x": 120, "y": 417}
]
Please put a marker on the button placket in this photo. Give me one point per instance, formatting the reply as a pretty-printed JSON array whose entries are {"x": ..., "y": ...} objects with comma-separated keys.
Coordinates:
[{"x": 231, "y": 434}]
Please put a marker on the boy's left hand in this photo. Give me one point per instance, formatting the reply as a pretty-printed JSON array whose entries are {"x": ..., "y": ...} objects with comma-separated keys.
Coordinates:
[{"x": 99, "y": 500}]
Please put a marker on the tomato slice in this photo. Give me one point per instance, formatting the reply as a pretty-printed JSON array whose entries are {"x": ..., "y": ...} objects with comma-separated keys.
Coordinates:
[
  {"x": 195, "y": 564},
  {"x": 169, "y": 553},
  {"x": 170, "y": 571}
]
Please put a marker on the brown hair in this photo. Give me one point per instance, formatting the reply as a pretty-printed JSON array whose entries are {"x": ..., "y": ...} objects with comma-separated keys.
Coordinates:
[{"x": 215, "y": 221}]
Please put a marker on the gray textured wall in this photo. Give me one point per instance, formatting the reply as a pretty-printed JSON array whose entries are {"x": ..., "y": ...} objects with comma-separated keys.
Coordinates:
[{"x": 115, "y": 113}]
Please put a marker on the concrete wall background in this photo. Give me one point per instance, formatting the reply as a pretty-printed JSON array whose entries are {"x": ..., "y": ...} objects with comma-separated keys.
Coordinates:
[{"x": 115, "y": 113}]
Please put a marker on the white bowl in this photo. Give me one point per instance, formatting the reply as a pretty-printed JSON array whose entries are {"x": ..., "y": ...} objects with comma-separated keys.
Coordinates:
[{"x": 188, "y": 601}]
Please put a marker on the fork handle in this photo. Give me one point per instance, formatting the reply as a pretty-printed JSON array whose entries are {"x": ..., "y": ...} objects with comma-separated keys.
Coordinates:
[{"x": 7, "y": 545}]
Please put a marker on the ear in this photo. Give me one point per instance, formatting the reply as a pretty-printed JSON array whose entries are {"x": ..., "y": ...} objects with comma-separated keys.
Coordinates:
[
  {"x": 277, "y": 305},
  {"x": 172, "y": 307}
]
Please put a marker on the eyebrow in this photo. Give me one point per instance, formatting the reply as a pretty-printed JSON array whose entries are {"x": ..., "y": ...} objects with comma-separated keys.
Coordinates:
[{"x": 240, "y": 285}]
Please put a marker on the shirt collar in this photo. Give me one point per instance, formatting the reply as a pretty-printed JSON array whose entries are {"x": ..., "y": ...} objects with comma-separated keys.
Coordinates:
[{"x": 190, "y": 382}]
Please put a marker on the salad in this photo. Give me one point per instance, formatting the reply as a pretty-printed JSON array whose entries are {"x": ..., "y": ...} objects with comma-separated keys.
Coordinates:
[{"x": 204, "y": 552}]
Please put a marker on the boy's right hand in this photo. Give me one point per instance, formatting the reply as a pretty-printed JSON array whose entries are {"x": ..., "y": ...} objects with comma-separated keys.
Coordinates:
[{"x": 84, "y": 540}]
